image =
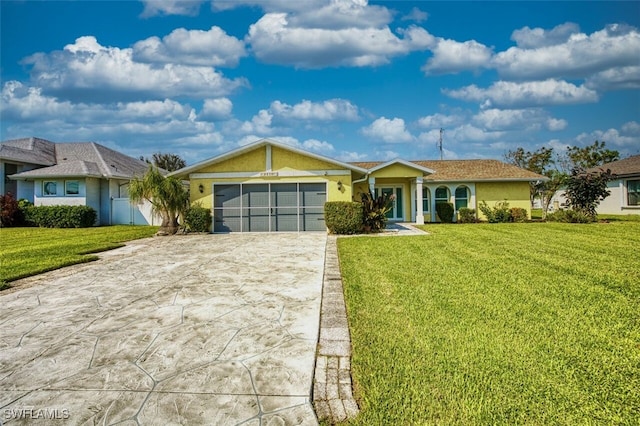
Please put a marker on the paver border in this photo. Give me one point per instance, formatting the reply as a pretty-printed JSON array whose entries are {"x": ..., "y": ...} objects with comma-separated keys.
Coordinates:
[{"x": 332, "y": 392}]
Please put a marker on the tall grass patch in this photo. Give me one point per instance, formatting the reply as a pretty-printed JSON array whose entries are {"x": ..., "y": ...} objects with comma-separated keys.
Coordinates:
[{"x": 496, "y": 324}]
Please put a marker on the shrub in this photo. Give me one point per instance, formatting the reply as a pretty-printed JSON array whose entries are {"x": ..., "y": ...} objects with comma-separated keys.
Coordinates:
[
  {"x": 343, "y": 217},
  {"x": 500, "y": 212},
  {"x": 570, "y": 216},
  {"x": 374, "y": 210},
  {"x": 518, "y": 214},
  {"x": 466, "y": 215},
  {"x": 445, "y": 212},
  {"x": 60, "y": 216},
  {"x": 10, "y": 214},
  {"x": 197, "y": 219}
]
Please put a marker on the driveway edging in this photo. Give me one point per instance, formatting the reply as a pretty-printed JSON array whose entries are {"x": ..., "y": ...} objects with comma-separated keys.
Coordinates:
[{"x": 332, "y": 389}]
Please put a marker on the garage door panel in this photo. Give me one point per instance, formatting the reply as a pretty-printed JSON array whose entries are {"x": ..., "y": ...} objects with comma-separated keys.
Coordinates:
[
  {"x": 255, "y": 219},
  {"x": 226, "y": 196},
  {"x": 255, "y": 195},
  {"x": 284, "y": 195},
  {"x": 313, "y": 194}
]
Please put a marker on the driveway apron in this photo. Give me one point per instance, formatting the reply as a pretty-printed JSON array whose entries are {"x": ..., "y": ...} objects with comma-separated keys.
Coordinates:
[{"x": 205, "y": 329}]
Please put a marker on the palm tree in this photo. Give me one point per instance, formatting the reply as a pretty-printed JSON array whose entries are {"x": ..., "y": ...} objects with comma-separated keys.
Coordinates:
[{"x": 167, "y": 196}]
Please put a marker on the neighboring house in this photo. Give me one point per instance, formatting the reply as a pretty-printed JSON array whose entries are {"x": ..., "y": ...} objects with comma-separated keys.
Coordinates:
[
  {"x": 268, "y": 186},
  {"x": 79, "y": 173},
  {"x": 625, "y": 189}
]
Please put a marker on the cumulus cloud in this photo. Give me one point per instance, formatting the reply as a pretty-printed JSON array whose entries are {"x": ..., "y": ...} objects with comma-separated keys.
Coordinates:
[
  {"x": 531, "y": 38},
  {"x": 531, "y": 93},
  {"x": 581, "y": 55},
  {"x": 191, "y": 47},
  {"x": 615, "y": 79},
  {"x": 416, "y": 15},
  {"x": 440, "y": 120},
  {"x": 388, "y": 130},
  {"x": 170, "y": 7},
  {"x": 88, "y": 70},
  {"x": 450, "y": 56},
  {"x": 329, "y": 110},
  {"x": 216, "y": 109},
  {"x": 631, "y": 128},
  {"x": 260, "y": 123},
  {"x": 274, "y": 39},
  {"x": 612, "y": 137},
  {"x": 530, "y": 119}
]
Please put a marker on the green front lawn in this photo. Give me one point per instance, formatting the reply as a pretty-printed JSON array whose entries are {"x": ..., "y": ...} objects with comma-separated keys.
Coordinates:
[
  {"x": 30, "y": 251},
  {"x": 534, "y": 323}
]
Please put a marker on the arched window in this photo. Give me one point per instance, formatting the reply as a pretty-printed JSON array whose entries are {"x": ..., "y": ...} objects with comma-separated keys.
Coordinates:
[
  {"x": 425, "y": 199},
  {"x": 462, "y": 197},
  {"x": 442, "y": 195}
]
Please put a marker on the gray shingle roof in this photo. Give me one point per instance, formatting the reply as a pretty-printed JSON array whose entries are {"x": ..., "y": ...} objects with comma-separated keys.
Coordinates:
[
  {"x": 627, "y": 167},
  {"x": 29, "y": 150},
  {"x": 77, "y": 159}
]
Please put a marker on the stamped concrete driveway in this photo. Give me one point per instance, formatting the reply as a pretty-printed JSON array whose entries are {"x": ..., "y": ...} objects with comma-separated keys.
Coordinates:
[{"x": 207, "y": 329}]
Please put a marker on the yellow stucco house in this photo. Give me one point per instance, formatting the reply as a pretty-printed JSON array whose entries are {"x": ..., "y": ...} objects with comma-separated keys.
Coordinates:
[{"x": 267, "y": 186}]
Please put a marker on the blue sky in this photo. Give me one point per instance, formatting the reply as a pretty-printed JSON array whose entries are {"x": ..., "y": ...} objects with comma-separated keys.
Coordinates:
[{"x": 350, "y": 79}]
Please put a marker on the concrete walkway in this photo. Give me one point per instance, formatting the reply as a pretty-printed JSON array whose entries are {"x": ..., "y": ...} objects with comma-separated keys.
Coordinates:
[{"x": 178, "y": 330}]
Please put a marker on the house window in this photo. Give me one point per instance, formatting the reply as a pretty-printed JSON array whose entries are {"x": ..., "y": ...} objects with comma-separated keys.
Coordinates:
[
  {"x": 633, "y": 192},
  {"x": 425, "y": 199},
  {"x": 49, "y": 188},
  {"x": 72, "y": 187},
  {"x": 442, "y": 195},
  {"x": 462, "y": 197}
]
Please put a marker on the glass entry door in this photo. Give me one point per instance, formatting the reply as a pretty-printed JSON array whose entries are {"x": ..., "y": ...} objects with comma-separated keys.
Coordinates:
[{"x": 396, "y": 213}]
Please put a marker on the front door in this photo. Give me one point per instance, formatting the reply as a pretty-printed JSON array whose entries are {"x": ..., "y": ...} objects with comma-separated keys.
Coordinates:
[{"x": 396, "y": 213}]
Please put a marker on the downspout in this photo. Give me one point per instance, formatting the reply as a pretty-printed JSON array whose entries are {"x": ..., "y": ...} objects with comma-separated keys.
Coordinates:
[{"x": 366, "y": 177}]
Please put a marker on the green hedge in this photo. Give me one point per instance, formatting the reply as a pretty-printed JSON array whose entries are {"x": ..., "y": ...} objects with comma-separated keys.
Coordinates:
[
  {"x": 60, "y": 216},
  {"x": 198, "y": 219},
  {"x": 467, "y": 215},
  {"x": 343, "y": 217}
]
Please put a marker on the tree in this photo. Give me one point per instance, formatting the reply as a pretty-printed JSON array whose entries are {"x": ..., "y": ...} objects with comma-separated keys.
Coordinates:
[
  {"x": 585, "y": 190},
  {"x": 590, "y": 156},
  {"x": 169, "y": 162},
  {"x": 541, "y": 162},
  {"x": 167, "y": 195}
]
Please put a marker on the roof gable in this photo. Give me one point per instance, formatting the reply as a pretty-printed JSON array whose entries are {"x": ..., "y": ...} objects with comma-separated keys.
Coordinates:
[
  {"x": 29, "y": 150},
  {"x": 185, "y": 171}
]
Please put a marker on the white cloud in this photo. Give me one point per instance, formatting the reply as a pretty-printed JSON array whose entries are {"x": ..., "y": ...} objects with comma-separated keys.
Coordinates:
[
  {"x": 170, "y": 7},
  {"x": 329, "y": 110},
  {"x": 260, "y": 123},
  {"x": 191, "y": 47},
  {"x": 581, "y": 55},
  {"x": 274, "y": 39},
  {"x": 531, "y": 38},
  {"x": 530, "y": 119},
  {"x": 321, "y": 147},
  {"x": 440, "y": 120},
  {"x": 352, "y": 156},
  {"x": 615, "y": 79},
  {"x": 450, "y": 56},
  {"x": 216, "y": 109},
  {"x": 87, "y": 70},
  {"x": 390, "y": 131},
  {"x": 631, "y": 128},
  {"x": 611, "y": 137},
  {"x": 532, "y": 93},
  {"x": 416, "y": 15}
]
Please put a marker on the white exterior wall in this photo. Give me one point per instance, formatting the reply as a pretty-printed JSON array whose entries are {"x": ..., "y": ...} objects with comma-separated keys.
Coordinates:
[
  {"x": 93, "y": 197},
  {"x": 616, "y": 203}
]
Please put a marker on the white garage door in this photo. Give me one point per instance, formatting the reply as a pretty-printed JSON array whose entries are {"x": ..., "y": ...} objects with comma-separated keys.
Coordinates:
[{"x": 269, "y": 207}]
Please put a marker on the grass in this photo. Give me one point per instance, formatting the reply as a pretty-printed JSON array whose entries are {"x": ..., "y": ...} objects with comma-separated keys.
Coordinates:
[
  {"x": 30, "y": 251},
  {"x": 534, "y": 323}
]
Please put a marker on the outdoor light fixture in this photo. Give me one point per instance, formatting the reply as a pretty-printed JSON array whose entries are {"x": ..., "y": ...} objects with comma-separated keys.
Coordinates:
[
  {"x": 340, "y": 185},
  {"x": 201, "y": 188}
]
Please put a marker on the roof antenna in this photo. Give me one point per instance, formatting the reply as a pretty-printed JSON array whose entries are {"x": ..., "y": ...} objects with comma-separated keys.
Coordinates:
[{"x": 440, "y": 142}]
